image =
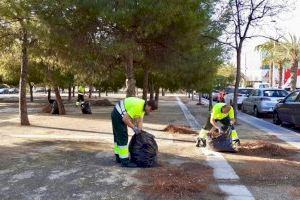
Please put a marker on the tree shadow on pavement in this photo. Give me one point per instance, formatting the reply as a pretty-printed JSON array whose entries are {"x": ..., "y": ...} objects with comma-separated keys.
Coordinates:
[{"x": 60, "y": 169}]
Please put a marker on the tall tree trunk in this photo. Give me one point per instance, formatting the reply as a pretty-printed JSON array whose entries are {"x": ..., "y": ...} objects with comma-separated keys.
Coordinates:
[
  {"x": 271, "y": 72},
  {"x": 106, "y": 93},
  {"x": 31, "y": 91},
  {"x": 151, "y": 89},
  {"x": 73, "y": 91},
  {"x": 49, "y": 93},
  {"x": 69, "y": 92},
  {"x": 210, "y": 101},
  {"x": 99, "y": 93},
  {"x": 145, "y": 82},
  {"x": 60, "y": 104},
  {"x": 157, "y": 94},
  {"x": 90, "y": 91},
  {"x": 192, "y": 95},
  {"x": 130, "y": 75},
  {"x": 23, "y": 80},
  {"x": 237, "y": 78},
  {"x": 200, "y": 98},
  {"x": 294, "y": 70},
  {"x": 280, "y": 71},
  {"x": 162, "y": 92},
  {"x": 189, "y": 92}
]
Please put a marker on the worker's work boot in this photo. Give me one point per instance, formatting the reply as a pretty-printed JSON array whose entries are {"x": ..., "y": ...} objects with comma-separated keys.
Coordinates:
[
  {"x": 203, "y": 141},
  {"x": 236, "y": 142},
  {"x": 118, "y": 160},
  {"x": 126, "y": 163},
  {"x": 198, "y": 141}
]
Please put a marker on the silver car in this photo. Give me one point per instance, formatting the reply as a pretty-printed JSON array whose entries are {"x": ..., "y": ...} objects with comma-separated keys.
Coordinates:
[{"x": 263, "y": 100}]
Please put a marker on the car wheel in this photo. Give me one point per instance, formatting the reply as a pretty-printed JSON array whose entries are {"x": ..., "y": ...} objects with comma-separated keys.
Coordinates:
[
  {"x": 276, "y": 119},
  {"x": 239, "y": 106},
  {"x": 256, "y": 112},
  {"x": 243, "y": 108}
]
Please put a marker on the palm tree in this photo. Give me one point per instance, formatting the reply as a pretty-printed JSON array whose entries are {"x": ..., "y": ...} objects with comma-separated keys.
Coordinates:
[
  {"x": 268, "y": 50},
  {"x": 273, "y": 53},
  {"x": 292, "y": 48},
  {"x": 280, "y": 60}
]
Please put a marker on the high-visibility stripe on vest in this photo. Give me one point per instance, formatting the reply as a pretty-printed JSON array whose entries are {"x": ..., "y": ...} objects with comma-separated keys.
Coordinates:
[
  {"x": 123, "y": 151},
  {"x": 121, "y": 108}
]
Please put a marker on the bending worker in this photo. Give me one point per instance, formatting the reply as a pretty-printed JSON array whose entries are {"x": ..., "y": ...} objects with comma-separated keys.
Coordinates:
[
  {"x": 222, "y": 113},
  {"x": 123, "y": 115}
]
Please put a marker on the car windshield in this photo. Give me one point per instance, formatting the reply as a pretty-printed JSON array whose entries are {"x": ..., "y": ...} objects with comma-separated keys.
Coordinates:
[
  {"x": 275, "y": 93},
  {"x": 245, "y": 91}
]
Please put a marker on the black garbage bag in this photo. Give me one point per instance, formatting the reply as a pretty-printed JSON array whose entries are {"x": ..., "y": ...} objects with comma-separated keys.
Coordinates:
[
  {"x": 86, "y": 108},
  {"x": 54, "y": 107},
  {"x": 222, "y": 143},
  {"x": 143, "y": 150}
]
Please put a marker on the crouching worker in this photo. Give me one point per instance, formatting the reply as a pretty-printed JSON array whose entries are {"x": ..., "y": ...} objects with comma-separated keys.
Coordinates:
[
  {"x": 123, "y": 115},
  {"x": 222, "y": 113}
]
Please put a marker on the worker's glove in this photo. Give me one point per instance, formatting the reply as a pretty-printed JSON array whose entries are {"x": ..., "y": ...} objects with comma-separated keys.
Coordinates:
[
  {"x": 231, "y": 123},
  {"x": 220, "y": 130},
  {"x": 136, "y": 130}
]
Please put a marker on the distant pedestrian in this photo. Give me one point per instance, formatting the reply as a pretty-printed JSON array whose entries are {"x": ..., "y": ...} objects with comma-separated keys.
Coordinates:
[{"x": 80, "y": 97}]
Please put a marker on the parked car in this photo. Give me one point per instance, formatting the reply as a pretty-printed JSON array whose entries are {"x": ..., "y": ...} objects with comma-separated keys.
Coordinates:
[
  {"x": 288, "y": 110},
  {"x": 215, "y": 94},
  {"x": 261, "y": 85},
  {"x": 263, "y": 100},
  {"x": 13, "y": 90},
  {"x": 222, "y": 93},
  {"x": 40, "y": 89},
  {"x": 243, "y": 93},
  {"x": 289, "y": 89},
  {"x": 3, "y": 90}
]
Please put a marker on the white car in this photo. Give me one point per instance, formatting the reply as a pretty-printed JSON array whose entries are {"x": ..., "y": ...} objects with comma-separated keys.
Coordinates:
[
  {"x": 243, "y": 93},
  {"x": 263, "y": 100}
]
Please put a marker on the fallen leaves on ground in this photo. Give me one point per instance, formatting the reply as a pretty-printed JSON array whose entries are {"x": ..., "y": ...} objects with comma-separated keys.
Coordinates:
[
  {"x": 187, "y": 180},
  {"x": 263, "y": 148},
  {"x": 179, "y": 129}
]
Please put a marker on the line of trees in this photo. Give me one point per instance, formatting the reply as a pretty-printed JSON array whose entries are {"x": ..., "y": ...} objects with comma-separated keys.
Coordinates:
[{"x": 149, "y": 44}]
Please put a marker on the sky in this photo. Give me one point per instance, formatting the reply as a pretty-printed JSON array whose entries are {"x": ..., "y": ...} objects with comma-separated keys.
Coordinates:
[{"x": 251, "y": 61}]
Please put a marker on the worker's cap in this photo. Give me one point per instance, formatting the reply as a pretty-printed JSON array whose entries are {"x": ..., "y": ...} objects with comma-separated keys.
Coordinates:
[{"x": 152, "y": 104}]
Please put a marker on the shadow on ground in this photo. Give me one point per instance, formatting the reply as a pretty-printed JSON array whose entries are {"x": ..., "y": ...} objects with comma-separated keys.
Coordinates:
[{"x": 86, "y": 170}]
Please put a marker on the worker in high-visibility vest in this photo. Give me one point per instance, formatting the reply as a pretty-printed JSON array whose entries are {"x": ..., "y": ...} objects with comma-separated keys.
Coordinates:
[
  {"x": 123, "y": 115},
  {"x": 80, "y": 97},
  {"x": 223, "y": 113}
]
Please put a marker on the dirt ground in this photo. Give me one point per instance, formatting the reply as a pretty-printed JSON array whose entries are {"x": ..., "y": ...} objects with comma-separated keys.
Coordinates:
[
  {"x": 70, "y": 157},
  {"x": 265, "y": 175}
]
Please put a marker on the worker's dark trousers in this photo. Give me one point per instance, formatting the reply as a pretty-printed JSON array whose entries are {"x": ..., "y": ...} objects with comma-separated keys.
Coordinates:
[
  {"x": 80, "y": 98},
  {"x": 120, "y": 136}
]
